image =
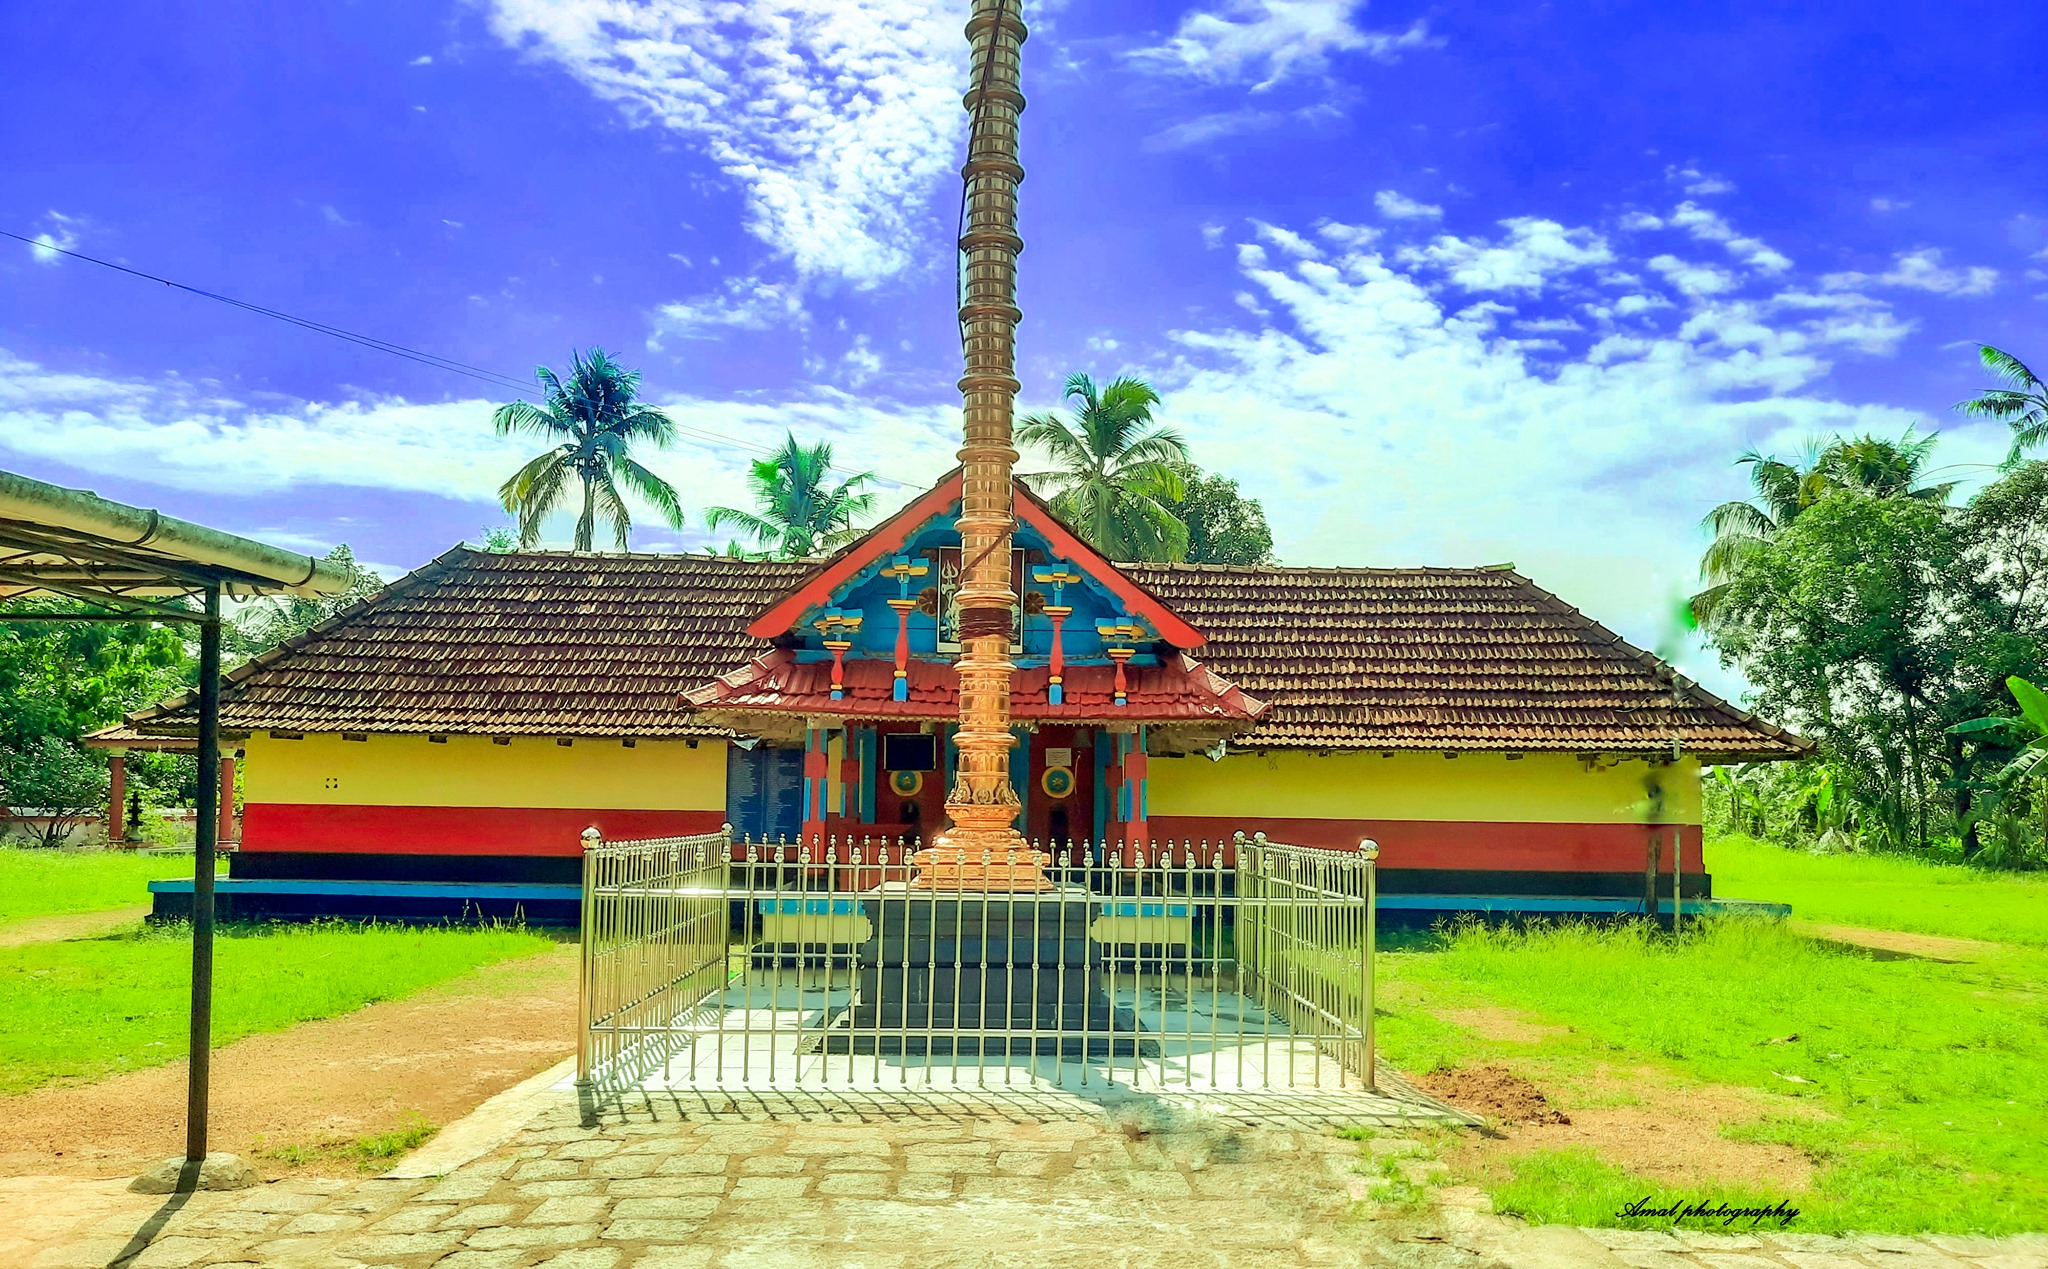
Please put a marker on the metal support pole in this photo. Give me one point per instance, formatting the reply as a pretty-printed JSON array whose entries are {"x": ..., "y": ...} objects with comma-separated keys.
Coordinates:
[
  {"x": 200, "y": 1046},
  {"x": 586, "y": 934},
  {"x": 1371, "y": 850}
]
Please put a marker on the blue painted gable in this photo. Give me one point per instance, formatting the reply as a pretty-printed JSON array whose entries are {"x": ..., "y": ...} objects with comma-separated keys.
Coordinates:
[{"x": 1039, "y": 574}]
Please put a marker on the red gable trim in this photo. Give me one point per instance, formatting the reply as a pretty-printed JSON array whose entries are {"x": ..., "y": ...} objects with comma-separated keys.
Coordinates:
[{"x": 890, "y": 536}]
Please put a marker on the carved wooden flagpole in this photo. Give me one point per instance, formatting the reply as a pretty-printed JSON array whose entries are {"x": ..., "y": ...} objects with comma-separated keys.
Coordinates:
[{"x": 982, "y": 849}]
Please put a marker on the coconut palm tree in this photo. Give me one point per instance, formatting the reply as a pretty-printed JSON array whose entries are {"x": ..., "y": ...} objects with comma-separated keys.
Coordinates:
[
  {"x": 594, "y": 416},
  {"x": 1870, "y": 465},
  {"x": 797, "y": 511},
  {"x": 2023, "y": 405},
  {"x": 1116, "y": 473}
]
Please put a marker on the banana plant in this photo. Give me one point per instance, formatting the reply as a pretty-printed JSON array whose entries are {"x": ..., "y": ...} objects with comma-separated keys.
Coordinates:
[{"x": 2028, "y": 734}]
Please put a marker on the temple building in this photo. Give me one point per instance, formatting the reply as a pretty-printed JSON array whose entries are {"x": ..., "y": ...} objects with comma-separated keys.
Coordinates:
[{"x": 440, "y": 748}]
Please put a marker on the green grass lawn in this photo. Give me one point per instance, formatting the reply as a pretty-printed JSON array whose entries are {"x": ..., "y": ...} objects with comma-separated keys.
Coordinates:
[
  {"x": 89, "y": 1008},
  {"x": 43, "y": 882},
  {"x": 1884, "y": 891},
  {"x": 1918, "y": 1089}
]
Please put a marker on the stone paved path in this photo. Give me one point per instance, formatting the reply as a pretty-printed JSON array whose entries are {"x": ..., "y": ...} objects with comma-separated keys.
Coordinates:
[{"x": 654, "y": 1191}]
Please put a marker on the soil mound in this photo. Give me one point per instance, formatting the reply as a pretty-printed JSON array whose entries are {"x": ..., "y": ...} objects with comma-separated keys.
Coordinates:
[{"x": 1495, "y": 1092}]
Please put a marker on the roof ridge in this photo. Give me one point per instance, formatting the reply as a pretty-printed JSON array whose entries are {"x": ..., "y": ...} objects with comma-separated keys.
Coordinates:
[
  {"x": 558, "y": 554},
  {"x": 1252, "y": 570}
]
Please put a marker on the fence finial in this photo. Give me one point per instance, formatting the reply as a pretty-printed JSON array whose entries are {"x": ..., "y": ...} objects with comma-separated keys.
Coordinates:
[
  {"x": 592, "y": 838},
  {"x": 1369, "y": 848}
]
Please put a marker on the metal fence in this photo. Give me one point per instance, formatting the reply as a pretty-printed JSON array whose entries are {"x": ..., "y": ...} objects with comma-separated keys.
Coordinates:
[{"x": 1238, "y": 966}]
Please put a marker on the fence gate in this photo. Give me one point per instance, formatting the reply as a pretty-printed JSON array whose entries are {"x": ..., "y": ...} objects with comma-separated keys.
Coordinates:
[{"x": 713, "y": 964}]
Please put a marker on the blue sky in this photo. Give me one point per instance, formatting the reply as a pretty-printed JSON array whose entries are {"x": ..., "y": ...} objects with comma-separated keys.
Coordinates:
[{"x": 1440, "y": 284}]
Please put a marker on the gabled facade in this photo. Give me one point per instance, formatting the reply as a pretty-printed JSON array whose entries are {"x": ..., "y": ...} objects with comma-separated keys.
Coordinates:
[
  {"x": 860, "y": 673},
  {"x": 462, "y": 728}
]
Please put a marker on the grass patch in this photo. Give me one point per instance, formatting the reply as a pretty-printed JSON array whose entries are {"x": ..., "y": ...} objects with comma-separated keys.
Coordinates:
[
  {"x": 1886, "y": 892},
  {"x": 374, "y": 1153},
  {"x": 90, "y": 1008},
  {"x": 46, "y": 882},
  {"x": 1577, "y": 1187},
  {"x": 1913, "y": 1086}
]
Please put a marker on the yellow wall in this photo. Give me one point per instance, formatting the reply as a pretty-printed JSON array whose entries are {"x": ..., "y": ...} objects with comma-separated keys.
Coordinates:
[
  {"x": 1488, "y": 788},
  {"x": 664, "y": 775}
]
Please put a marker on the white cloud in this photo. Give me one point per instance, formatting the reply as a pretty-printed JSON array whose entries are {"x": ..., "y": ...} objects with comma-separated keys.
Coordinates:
[
  {"x": 1709, "y": 226},
  {"x": 424, "y": 59},
  {"x": 1888, "y": 205},
  {"x": 1921, "y": 270},
  {"x": 1202, "y": 129},
  {"x": 838, "y": 118},
  {"x": 1288, "y": 241},
  {"x": 743, "y": 304},
  {"x": 1535, "y": 251},
  {"x": 1397, "y": 206},
  {"x": 186, "y": 435},
  {"x": 1267, "y": 41},
  {"x": 1691, "y": 277},
  {"x": 60, "y": 236},
  {"x": 1697, "y": 183},
  {"x": 860, "y": 363},
  {"x": 1630, "y": 305},
  {"x": 1384, "y": 419},
  {"x": 1639, "y": 222}
]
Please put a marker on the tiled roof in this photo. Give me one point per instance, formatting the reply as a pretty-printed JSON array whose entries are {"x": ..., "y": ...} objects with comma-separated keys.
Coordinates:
[
  {"x": 1442, "y": 659},
  {"x": 529, "y": 644},
  {"x": 556, "y": 644}
]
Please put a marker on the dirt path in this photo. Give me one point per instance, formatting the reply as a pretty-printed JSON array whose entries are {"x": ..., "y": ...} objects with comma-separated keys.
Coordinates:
[
  {"x": 1895, "y": 943},
  {"x": 435, "y": 1054},
  {"x": 67, "y": 925},
  {"x": 1658, "y": 1127}
]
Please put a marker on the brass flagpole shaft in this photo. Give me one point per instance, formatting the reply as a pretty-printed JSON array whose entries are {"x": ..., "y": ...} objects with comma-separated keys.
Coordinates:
[{"x": 982, "y": 849}]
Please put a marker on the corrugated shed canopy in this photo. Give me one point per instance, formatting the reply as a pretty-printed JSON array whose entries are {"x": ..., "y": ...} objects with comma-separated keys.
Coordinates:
[
  {"x": 75, "y": 544},
  {"x": 555, "y": 644}
]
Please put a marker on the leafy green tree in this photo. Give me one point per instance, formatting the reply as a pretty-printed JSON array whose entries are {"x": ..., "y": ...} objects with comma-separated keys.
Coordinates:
[
  {"x": 1877, "y": 624},
  {"x": 1224, "y": 526},
  {"x": 65, "y": 783},
  {"x": 267, "y": 622},
  {"x": 1116, "y": 474},
  {"x": 65, "y": 678},
  {"x": 1782, "y": 490},
  {"x": 499, "y": 540},
  {"x": 798, "y": 509},
  {"x": 2022, "y": 404},
  {"x": 1837, "y": 621},
  {"x": 596, "y": 418}
]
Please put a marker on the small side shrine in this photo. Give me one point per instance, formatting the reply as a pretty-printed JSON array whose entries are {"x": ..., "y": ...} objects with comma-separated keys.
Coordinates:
[{"x": 862, "y": 675}]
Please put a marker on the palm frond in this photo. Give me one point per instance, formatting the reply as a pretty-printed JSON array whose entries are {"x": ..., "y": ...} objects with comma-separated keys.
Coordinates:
[
  {"x": 763, "y": 531},
  {"x": 1052, "y": 434},
  {"x": 516, "y": 418},
  {"x": 608, "y": 505},
  {"x": 651, "y": 489},
  {"x": 1162, "y": 446},
  {"x": 1739, "y": 518},
  {"x": 2008, "y": 367},
  {"x": 1706, "y": 605},
  {"x": 535, "y": 491}
]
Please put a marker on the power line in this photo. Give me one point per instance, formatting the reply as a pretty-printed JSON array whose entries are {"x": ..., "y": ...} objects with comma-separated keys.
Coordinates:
[
  {"x": 367, "y": 341},
  {"x": 431, "y": 360}
]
